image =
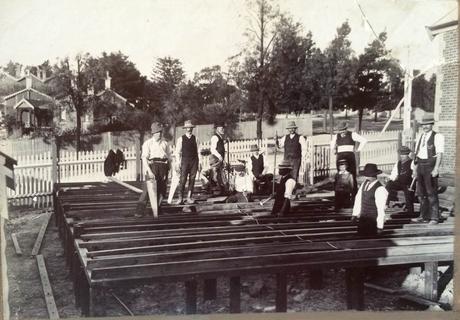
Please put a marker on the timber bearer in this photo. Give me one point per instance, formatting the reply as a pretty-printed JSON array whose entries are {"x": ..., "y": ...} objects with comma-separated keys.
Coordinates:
[
  {"x": 156, "y": 158},
  {"x": 343, "y": 144},
  {"x": 284, "y": 191},
  {"x": 428, "y": 156},
  {"x": 187, "y": 160},
  {"x": 370, "y": 202},
  {"x": 294, "y": 148},
  {"x": 217, "y": 157}
]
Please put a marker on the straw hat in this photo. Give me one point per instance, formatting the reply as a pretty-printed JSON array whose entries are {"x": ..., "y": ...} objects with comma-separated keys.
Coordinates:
[
  {"x": 155, "y": 127},
  {"x": 428, "y": 118},
  {"x": 188, "y": 124},
  {"x": 254, "y": 148},
  {"x": 291, "y": 125}
]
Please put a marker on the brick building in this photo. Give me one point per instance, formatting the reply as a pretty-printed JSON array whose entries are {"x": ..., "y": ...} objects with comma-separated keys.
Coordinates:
[{"x": 446, "y": 97}]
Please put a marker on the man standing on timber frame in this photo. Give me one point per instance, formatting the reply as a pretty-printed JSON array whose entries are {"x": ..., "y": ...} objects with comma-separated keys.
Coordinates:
[
  {"x": 284, "y": 191},
  {"x": 428, "y": 155},
  {"x": 343, "y": 144},
  {"x": 156, "y": 158},
  {"x": 187, "y": 160},
  {"x": 294, "y": 148},
  {"x": 217, "y": 157}
]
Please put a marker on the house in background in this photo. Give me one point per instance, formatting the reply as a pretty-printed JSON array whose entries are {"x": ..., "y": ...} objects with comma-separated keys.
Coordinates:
[{"x": 446, "y": 98}]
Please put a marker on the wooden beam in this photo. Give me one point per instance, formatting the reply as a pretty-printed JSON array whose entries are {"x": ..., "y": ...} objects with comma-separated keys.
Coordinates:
[
  {"x": 281, "y": 292},
  {"x": 235, "y": 295},
  {"x": 431, "y": 281},
  {"x": 190, "y": 297},
  {"x": 153, "y": 195},
  {"x": 444, "y": 280},
  {"x": 17, "y": 248},
  {"x": 41, "y": 235},
  {"x": 48, "y": 292},
  {"x": 126, "y": 185}
]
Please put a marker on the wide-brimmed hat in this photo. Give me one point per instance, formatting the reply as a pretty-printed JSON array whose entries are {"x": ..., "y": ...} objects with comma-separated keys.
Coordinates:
[
  {"x": 155, "y": 127},
  {"x": 188, "y": 124},
  {"x": 342, "y": 126},
  {"x": 370, "y": 170},
  {"x": 285, "y": 164},
  {"x": 404, "y": 150},
  {"x": 254, "y": 148},
  {"x": 291, "y": 125},
  {"x": 342, "y": 161},
  {"x": 219, "y": 124},
  {"x": 428, "y": 118}
]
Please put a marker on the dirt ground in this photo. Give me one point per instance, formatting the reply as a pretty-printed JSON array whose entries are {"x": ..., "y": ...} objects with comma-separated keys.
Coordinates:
[{"x": 26, "y": 298}]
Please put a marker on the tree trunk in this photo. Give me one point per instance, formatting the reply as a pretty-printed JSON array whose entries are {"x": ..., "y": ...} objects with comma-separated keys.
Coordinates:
[
  {"x": 325, "y": 121},
  {"x": 78, "y": 133},
  {"x": 360, "y": 118},
  {"x": 331, "y": 115},
  {"x": 346, "y": 113},
  {"x": 375, "y": 115}
]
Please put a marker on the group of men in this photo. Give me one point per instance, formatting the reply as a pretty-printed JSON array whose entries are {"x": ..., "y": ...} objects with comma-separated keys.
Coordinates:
[{"x": 368, "y": 202}]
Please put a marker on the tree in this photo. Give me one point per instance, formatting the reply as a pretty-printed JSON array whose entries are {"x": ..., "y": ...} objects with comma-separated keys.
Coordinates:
[
  {"x": 167, "y": 74},
  {"x": 423, "y": 92}
]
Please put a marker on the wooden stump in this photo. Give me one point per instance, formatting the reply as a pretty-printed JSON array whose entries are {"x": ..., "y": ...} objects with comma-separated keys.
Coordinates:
[
  {"x": 355, "y": 288},
  {"x": 281, "y": 292},
  {"x": 235, "y": 297},
  {"x": 190, "y": 297},
  {"x": 210, "y": 289}
]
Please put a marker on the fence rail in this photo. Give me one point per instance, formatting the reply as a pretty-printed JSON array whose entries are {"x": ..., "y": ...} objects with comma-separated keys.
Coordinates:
[{"x": 34, "y": 176}]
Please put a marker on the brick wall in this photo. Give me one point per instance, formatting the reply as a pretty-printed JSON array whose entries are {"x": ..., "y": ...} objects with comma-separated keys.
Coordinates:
[{"x": 447, "y": 97}]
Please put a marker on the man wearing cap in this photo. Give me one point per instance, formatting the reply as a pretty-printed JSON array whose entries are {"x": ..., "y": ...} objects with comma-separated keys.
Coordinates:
[
  {"x": 156, "y": 157},
  {"x": 284, "y": 191},
  {"x": 429, "y": 148},
  {"x": 401, "y": 178},
  {"x": 187, "y": 160},
  {"x": 217, "y": 157},
  {"x": 369, "y": 207},
  {"x": 294, "y": 148},
  {"x": 343, "y": 144}
]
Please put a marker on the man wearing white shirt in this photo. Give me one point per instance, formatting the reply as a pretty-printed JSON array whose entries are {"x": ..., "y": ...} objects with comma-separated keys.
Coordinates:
[
  {"x": 370, "y": 202},
  {"x": 156, "y": 157},
  {"x": 187, "y": 160},
  {"x": 256, "y": 169},
  {"x": 294, "y": 148},
  {"x": 428, "y": 156},
  {"x": 343, "y": 144},
  {"x": 284, "y": 192},
  {"x": 217, "y": 157}
]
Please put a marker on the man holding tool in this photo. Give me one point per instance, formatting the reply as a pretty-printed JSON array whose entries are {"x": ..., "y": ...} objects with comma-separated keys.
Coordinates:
[
  {"x": 294, "y": 148},
  {"x": 284, "y": 192}
]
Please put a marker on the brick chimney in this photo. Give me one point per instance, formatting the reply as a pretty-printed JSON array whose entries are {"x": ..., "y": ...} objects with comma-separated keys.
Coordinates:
[
  {"x": 18, "y": 72},
  {"x": 108, "y": 81},
  {"x": 28, "y": 79}
]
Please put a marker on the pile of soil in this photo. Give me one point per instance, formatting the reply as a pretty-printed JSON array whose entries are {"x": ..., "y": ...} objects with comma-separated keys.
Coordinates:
[{"x": 26, "y": 298}]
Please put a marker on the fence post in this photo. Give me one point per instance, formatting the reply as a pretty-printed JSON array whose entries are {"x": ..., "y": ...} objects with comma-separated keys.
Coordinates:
[
  {"x": 399, "y": 140},
  {"x": 54, "y": 162},
  {"x": 138, "y": 159}
]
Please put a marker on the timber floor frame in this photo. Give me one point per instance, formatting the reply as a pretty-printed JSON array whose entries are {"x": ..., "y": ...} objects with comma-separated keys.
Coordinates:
[{"x": 107, "y": 246}]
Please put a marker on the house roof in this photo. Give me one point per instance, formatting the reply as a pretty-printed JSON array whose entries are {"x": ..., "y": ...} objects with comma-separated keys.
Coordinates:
[
  {"x": 32, "y": 104},
  {"x": 34, "y": 76},
  {"x": 114, "y": 93},
  {"x": 24, "y": 90},
  {"x": 444, "y": 26},
  {"x": 9, "y": 75}
]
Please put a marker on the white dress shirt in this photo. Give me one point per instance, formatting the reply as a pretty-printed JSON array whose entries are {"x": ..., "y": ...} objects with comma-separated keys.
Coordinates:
[
  {"x": 154, "y": 149},
  {"x": 302, "y": 141},
  {"x": 213, "y": 150},
  {"x": 423, "y": 149},
  {"x": 288, "y": 192},
  {"x": 381, "y": 195},
  {"x": 349, "y": 148},
  {"x": 178, "y": 152}
]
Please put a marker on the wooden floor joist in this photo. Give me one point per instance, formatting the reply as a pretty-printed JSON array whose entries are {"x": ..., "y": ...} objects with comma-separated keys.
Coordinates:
[
  {"x": 47, "y": 291},
  {"x": 17, "y": 248},
  {"x": 41, "y": 235}
]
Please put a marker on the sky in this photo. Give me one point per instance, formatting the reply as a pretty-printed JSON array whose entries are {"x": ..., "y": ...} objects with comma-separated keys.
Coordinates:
[{"x": 203, "y": 33}]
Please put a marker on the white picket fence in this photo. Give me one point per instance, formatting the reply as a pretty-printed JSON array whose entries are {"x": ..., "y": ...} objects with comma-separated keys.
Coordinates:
[{"x": 33, "y": 174}]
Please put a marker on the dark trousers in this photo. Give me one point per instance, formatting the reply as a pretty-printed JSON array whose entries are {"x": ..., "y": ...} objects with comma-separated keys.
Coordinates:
[
  {"x": 342, "y": 199},
  {"x": 295, "y": 162},
  {"x": 263, "y": 184},
  {"x": 160, "y": 171},
  {"x": 392, "y": 188},
  {"x": 351, "y": 161},
  {"x": 189, "y": 168},
  {"x": 217, "y": 172},
  {"x": 278, "y": 205},
  {"x": 427, "y": 189},
  {"x": 367, "y": 226}
]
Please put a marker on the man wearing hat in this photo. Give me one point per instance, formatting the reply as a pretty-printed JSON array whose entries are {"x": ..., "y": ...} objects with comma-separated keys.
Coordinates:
[
  {"x": 256, "y": 169},
  {"x": 429, "y": 148},
  {"x": 156, "y": 157},
  {"x": 217, "y": 157},
  {"x": 284, "y": 191},
  {"x": 369, "y": 207},
  {"x": 343, "y": 144},
  {"x": 401, "y": 178},
  {"x": 187, "y": 160},
  {"x": 294, "y": 148}
]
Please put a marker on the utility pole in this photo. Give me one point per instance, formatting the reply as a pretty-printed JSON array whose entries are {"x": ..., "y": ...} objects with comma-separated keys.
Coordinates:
[{"x": 407, "y": 132}]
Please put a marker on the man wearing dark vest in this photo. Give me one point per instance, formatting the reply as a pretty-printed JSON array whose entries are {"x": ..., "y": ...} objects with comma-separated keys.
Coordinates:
[
  {"x": 284, "y": 191},
  {"x": 294, "y": 148},
  {"x": 187, "y": 159},
  {"x": 343, "y": 144},
  {"x": 369, "y": 207},
  {"x": 429, "y": 148},
  {"x": 401, "y": 178},
  {"x": 256, "y": 169},
  {"x": 217, "y": 157}
]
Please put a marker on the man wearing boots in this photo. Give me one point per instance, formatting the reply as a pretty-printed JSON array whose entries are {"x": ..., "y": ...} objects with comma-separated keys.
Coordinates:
[
  {"x": 369, "y": 207},
  {"x": 294, "y": 148},
  {"x": 284, "y": 191},
  {"x": 401, "y": 178},
  {"x": 343, "y": 144},
  {"x": 187, "y": 159},
  {"x": 156, "y": 157},
  {"x": 217, "y": 157},
  {"x": 428, "y": 156}
]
